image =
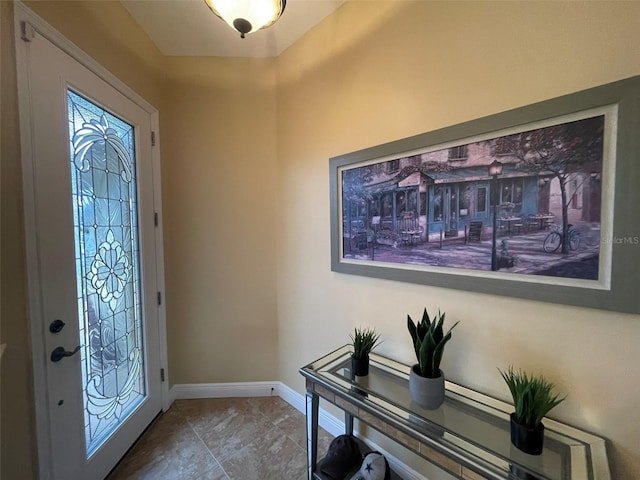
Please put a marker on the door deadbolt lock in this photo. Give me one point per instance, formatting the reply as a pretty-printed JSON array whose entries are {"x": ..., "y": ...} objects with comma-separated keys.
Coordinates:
[
  {"x": 59, "y": 353},
  {"x": 56, "y": 326}
]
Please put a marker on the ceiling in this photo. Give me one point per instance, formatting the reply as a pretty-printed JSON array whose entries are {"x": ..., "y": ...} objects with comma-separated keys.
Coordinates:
[{"x": 189, "y": 28}]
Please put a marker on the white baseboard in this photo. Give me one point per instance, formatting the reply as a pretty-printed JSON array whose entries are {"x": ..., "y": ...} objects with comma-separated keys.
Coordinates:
[
  {"x": 223, "y": 390},
  {"x": 327, "y": 421},
  {"x": 298, "y": 401}
]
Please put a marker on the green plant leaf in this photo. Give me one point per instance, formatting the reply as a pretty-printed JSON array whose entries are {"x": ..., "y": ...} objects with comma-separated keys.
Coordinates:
[
  {"x": 429, "y": 342},
  {"x": 426, "y": 355},
  {"x": 532, "y": 396},
  {"x": 437, "y": 327},
  {"x": 414, "y": 334},
  {"x": 439, "y": 350},
  {"x": 364, "y": 340},
  {"x": 424, "y": 325}
]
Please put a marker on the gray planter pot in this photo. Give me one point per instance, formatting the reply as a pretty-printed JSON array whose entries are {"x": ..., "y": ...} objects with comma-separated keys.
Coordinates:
[{"x": 426, "y": 392}]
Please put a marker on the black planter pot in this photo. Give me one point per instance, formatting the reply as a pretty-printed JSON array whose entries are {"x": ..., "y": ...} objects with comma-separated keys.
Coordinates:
[
  {"x": 360, "y": 366},
  {"x": 529, "y": 440}
]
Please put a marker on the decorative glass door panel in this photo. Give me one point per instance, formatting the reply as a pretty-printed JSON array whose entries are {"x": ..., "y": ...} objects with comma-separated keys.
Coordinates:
[{"x": 103, "y": 177}]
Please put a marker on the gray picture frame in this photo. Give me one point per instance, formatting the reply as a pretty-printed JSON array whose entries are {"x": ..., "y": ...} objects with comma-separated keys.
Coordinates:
[{"x": 622, "y": 241}]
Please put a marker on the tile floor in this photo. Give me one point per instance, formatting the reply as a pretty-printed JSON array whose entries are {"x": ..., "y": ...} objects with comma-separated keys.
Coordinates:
[{"x": 222, "y": 439}]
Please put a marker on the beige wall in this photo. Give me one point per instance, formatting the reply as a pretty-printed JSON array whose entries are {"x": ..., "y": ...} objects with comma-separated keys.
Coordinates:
[
  {"x": 218, "y": 142},
  {"x": 379, "y": 71},
  {"x": 245, "y": 180},
  {"x": 17, "y": 397},
  {"x": 106, "y": 32}
]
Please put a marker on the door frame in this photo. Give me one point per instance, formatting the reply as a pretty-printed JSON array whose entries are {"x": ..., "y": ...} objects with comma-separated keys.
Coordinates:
[{"x": 25, "y": 23}]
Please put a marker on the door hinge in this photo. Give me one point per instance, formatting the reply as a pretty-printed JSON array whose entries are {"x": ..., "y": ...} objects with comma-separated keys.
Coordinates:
[
  {"x": 155, "y": 218},
  {"x": 27, "y": 32},
  {"x": 162, "y": 374},
  {"x": 153, "y": 139},
  {"x": 159, "y": 298}
]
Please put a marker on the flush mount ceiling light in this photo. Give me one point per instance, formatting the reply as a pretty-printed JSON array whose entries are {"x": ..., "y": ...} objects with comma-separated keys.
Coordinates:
[{"x": 247, "y": 16}]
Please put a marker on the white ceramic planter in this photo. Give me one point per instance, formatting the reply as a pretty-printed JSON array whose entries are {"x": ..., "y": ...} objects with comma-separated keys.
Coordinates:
[{"x": 426, "y": 392}]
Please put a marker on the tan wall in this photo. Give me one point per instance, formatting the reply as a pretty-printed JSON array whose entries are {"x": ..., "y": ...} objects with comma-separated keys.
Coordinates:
[
  {"x": 235, "y": 201},
  {"x": 219, "y": 198},
  {"x": 106, "y": 32},
  {"x": 17, "y": 397},
  {"x": 379, "y": 71}
]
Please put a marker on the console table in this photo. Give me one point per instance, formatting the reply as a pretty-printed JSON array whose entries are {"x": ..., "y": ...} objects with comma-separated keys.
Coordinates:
[{"x": 468, "y": 436}]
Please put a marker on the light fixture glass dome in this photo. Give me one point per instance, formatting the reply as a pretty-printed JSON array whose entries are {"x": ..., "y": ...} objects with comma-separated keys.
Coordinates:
[{"x": 247, "y": 16}]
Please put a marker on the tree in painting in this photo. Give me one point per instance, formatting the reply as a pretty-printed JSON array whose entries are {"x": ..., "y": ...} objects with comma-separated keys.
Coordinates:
[
  {"x": 561, "y": 151},
  {"x": 354, "y": 180}
]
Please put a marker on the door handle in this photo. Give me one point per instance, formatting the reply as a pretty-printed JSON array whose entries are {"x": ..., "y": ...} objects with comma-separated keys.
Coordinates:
[{"x": 59, "y": 353}]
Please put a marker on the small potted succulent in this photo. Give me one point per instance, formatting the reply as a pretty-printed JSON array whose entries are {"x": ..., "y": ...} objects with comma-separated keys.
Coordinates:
[
  {"x": 363, "y": 341},
  {"x": 532, "y": 399},
  {"x": 426, "y": 380}
]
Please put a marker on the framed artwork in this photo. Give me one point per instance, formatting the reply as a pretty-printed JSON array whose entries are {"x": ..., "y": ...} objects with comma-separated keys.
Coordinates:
[{"x": 540, "y": 202}]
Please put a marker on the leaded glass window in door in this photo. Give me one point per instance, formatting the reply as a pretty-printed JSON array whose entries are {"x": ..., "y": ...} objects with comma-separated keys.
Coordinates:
[{"x": 103, "y": 177}]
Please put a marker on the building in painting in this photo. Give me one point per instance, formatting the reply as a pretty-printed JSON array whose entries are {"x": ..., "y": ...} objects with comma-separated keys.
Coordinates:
[{"x": 438, "y": 194}]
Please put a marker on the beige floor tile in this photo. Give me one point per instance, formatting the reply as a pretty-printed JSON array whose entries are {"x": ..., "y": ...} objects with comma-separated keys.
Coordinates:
[
  {"x": 206, "y": 411},
  {"x": 295, "y": 427},
  {"x": 169, "y": 450},
  {"x": 275, "y": 408},
  {"x": 271, "y": 457},
  {"x": 223, "y": 439},
  {"x": 233, "y": 432}
]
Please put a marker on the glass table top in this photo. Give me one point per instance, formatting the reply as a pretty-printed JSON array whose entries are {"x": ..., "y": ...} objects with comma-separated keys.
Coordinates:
[{"x": 469, "y": 426}]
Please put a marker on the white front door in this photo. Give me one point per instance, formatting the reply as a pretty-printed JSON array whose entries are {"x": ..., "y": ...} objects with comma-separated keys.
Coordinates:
[{"x": 92, "y": 204}]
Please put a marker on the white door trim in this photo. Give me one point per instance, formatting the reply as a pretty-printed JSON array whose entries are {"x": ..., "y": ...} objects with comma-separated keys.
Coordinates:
[{"x": 24, "y": 20}]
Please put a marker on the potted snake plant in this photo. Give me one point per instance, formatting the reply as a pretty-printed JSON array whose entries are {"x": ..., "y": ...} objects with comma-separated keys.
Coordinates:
[
  {"x": 532, "y": 399},
  {"x": 363, "y": 340},
  {"x": 426, "y": 380}
]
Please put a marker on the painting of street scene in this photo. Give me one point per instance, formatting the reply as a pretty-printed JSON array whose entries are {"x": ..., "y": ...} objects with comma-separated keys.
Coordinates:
[{"x": 526, "y": 203}]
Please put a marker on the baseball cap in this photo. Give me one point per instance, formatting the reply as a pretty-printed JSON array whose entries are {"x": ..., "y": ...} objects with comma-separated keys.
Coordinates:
[
  {"x": 342, "y": 456},
  {"x": 374, "y": 467}
]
